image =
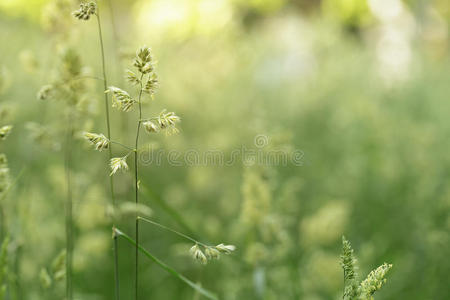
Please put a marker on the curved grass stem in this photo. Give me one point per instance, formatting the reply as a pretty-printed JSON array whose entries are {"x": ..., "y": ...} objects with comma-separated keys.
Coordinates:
[
  {"x": 163, "y": 265},
  {"x": 120, "y": 144},
  {"x": 172, "y": 230}
]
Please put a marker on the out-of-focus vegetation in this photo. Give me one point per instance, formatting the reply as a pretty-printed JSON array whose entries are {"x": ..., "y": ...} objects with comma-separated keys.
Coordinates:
[{"x": 360, "y": 87}]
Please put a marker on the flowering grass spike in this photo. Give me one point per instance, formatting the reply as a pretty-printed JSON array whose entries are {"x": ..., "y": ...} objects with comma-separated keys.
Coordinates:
[
  {"x": 374, "y": 281},
  {"x": 167, "y": 121},
  {"x": 118, "y": 163},
  {"x": 152, "y": 85},
  {"x": 198, "y": 254},
  {"x": 100, "y": 141},
  {"x": 211, "y": 252},
  {"x": 144, "y": 60},
  {"x": 366, "y": 289},
  {"x": 85, "y": 11},
  {"x": 151, "y": 127},
  {"x": 121, "y": 99},
  {"x": 5, "y": 131}
]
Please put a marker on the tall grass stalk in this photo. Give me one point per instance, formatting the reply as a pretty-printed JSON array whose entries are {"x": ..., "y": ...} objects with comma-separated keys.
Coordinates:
[
  {"x": 136, "y": 181},
  {"x": 164, "y": 122},
  {"x": 111, "y": 179},
  {"x": 69, "y": 206}
]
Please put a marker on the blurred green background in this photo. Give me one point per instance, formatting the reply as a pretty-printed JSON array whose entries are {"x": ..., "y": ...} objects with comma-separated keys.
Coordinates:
[{"x": 360, "y": 87}]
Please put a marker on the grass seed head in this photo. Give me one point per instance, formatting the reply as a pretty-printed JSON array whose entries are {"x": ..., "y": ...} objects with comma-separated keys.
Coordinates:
[
  {"x": 144, "y": 60},
  {"x": 121, "y": 99},
  {"x": 167, "y": 121},
  {"x": 348, "y": 260},
  {"x": 5, "y": 131},
  {"x": 212, "y": 253},
  {"x": 227, "y": 249},
  {"x": 151, "y": 85},
  {"x": 100, "y": 141},
  {"x": 151, "y": 127},
  {"x": 132, "y": 78},
  {"x": 118, "y": 163},
  {"x": 198, "y": 254},
  {"x": 374, "y": 281},
  {"x": 85, "y": 11}
]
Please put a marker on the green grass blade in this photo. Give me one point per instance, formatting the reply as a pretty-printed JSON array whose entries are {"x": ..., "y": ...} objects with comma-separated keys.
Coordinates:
[{"x": 196, "y": 287}]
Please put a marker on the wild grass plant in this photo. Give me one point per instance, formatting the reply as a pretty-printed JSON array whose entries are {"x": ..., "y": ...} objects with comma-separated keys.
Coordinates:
[
  {"x": 85, "y": 11},
  {"x": 166, "y": 122},
  {"x": 145, "y": 78}
]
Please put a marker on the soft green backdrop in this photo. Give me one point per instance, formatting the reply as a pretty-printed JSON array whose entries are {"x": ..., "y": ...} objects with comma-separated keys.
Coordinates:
[{"x": 361, "y": 88}]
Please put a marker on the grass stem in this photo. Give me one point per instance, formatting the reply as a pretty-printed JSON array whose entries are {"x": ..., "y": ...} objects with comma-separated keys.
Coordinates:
[
  {"x": 111, "y": 180},
  {"x": 69, "y": 204},
  {"x": 136, "y": 180},
  {"x": 169, "y": 269},
  {"x": 171, "y": 230}
]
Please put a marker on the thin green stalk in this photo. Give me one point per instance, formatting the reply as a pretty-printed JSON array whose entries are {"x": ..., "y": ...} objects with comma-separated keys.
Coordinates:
[
  {"x": 169, "y": 269},
  {"x": 69, "y": 216},
  {"x": 118, "y": 61},
  {"x": 113, "y": 26},
  {"x": 120, "y": 144},
  {"x": 111, "y": 180},
  {"x": 172, "y": 230},
  {"x": 115, "y": 35},
  {"x": 136, "y": 180}
]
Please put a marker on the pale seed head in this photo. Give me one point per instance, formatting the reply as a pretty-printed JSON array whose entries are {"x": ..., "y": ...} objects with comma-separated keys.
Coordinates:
[
  {"x": 100, "y": 141},
  {"x": 118, "y": 163},
  {"x": 151, "y": 127},
  {"x": 5, "y": 131},
  {"x": 212, "y": 253},
  {"x": 121, "y": 99},
  {"x": 167, "y": 121},
  {"x": 198, "y": 255},
  {"x": 227, "y": 249}
]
